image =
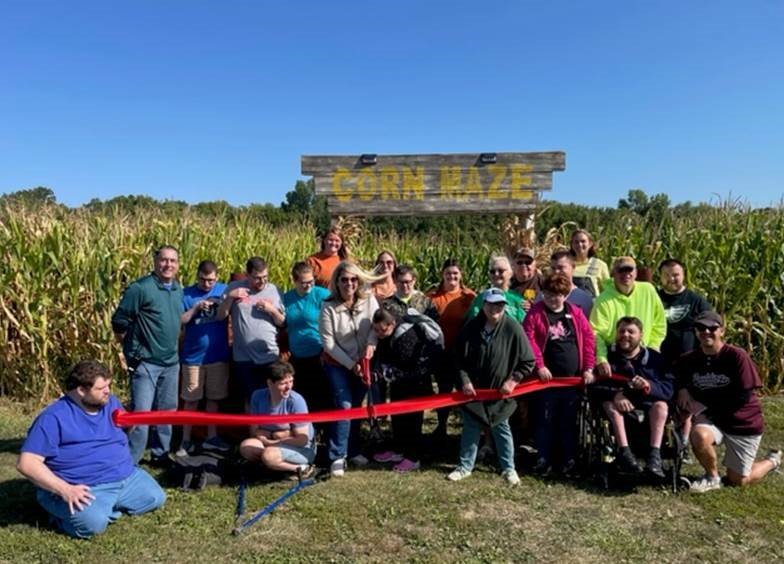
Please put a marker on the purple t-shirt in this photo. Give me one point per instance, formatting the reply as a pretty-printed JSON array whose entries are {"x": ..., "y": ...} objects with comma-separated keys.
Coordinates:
[
  {"x": 79, "y": 447},
  {"x": 725, "y": 383}
]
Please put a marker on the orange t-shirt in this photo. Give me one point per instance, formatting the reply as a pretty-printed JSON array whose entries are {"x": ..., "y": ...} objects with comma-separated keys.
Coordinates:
[
  {"x": 452, "y": 307},
  {"x": 323, "y": 267},
  {"x": 384, "y": 289}
]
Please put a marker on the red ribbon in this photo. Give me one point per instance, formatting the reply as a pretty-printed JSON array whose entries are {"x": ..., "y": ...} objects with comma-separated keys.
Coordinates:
[{"x": 123, "y": 418}]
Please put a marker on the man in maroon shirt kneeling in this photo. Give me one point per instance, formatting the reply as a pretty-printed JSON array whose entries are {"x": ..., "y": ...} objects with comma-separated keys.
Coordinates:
[{"x": 717, "y": 385}]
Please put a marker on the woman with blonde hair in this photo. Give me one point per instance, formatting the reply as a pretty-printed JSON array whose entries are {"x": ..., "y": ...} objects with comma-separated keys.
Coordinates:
[
  {"x": 346, "y": 328},
  {"x": 333, "y": 250},
  {"x": 590, "y": 271}
]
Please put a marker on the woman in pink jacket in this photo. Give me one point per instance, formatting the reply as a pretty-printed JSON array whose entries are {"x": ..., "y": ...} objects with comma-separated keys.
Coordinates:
[{"x": 563, "y": 345}]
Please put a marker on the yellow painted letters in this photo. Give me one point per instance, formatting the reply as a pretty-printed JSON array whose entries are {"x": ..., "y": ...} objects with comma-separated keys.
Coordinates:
[
  {"x": 414, "y": 183},
  {"x": 390, "y": 180},
  {"x": 366, "y": 185},
  {"x": 342, "y": 193}
]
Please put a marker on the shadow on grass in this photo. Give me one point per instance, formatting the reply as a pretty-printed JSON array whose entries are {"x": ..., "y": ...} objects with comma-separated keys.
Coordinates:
[
  {"x": 18, "y": 505},
  {"x": 10, "y": 445}
]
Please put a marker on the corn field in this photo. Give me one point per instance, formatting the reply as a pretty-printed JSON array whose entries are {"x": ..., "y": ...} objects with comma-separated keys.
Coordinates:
[{"x": 63, "y": 270}]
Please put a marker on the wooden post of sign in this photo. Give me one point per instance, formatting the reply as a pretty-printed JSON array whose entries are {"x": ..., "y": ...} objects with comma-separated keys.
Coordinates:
[{"x": 487, "y": 183}]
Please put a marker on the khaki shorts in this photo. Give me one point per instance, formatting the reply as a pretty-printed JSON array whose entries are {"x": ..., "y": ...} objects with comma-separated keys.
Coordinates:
[
  {"x": 740, "y": 450},
  {"x": 210, "y": 378}
]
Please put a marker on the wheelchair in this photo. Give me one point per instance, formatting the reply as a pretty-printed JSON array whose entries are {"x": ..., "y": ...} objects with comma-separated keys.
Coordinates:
[{"x": 597, "y": 449}]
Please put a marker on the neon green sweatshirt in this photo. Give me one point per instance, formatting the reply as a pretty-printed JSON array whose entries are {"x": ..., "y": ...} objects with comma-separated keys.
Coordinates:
[{"x": 643, "y": 303}]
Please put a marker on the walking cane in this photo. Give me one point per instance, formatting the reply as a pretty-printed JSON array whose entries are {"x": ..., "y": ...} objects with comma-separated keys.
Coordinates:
[{"x": 243, "y": 525}]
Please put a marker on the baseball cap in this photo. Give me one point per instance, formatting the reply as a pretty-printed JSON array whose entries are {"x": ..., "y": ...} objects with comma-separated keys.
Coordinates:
[
  {"x": 709, "y": 319},
  {"x": 622, "y": 262},
  {"x": 494, "y": 296},
  {"x": 524, "y": 252}
]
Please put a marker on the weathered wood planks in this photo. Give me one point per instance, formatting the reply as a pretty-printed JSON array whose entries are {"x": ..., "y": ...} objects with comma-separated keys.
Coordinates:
[{"x": 432, "y": 184}]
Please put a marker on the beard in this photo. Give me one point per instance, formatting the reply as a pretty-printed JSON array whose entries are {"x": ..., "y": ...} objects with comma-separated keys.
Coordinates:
[
  {"x": 94, "y": 403},
  {"x": 628, "y": 346}
]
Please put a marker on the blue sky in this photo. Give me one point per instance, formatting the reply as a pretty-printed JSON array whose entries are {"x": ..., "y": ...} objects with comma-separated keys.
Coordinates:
[{"x": 218, "y": 100}]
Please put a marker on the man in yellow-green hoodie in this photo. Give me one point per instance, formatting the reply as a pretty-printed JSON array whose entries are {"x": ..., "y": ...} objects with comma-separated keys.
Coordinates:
[{"x": 626, "y": 297}]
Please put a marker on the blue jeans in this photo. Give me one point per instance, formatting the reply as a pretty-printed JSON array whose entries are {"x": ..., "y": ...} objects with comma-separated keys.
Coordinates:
[
  {"x": 152, "y": 387},
  {"x": 136, "y": 494},
  {"x": 347, "y": 391},
  {"x": 469, "y": 443},
  {"x": 297, "y": 455}
]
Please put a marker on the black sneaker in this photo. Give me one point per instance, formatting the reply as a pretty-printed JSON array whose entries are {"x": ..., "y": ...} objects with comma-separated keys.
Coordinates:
[
  {"x": 569, "y": 469},
  {"x": 628, "y": 462},
  {"x": 542, "y": 467},
  {"x": 654, "y": 465}
]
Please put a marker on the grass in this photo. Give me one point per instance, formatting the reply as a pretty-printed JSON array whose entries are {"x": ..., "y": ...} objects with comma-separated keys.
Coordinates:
[{"x": 375, "y": 515}]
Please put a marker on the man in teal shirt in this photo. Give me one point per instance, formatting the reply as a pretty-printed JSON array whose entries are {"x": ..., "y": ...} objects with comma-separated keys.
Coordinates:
[{"x": 147, "y": 323}]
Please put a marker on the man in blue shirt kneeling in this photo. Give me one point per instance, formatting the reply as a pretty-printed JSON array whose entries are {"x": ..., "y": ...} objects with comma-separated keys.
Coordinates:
[{"x": 80, "y": 461}]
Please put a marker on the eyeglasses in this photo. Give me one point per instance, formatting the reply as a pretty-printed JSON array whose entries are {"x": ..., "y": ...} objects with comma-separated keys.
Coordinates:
[
  {"x": 406, "y": 282},
  {"x": 524, "y": 262},
  {"x": 706, "y": 329},
  {"x": 551, "y": 295},
  {"x": 496, "y": 271},
  {"x": 346, "y": 280},
  {"x": 307, "y": 282},
  {"x": 207, "y": 280}
]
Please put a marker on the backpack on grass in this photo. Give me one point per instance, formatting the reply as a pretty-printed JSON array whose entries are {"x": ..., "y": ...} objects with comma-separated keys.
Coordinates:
[{"x": 193, "y": 473}]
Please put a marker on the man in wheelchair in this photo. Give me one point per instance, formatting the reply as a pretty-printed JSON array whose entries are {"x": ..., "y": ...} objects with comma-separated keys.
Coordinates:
[{"x": 640, "y": 383}]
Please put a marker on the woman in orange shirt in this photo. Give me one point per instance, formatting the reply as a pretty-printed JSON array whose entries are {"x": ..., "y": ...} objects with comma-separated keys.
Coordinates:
[
  {"x": 452, "y": 300},
  {"x": 328, "y": 258}
]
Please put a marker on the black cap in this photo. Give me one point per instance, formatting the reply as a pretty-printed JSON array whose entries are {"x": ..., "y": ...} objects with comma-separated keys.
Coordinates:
[{"x": 709, "y": 319}]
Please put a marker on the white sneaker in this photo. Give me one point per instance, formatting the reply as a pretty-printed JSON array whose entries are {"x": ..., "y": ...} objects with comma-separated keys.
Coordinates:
[
  {"x": 458, "y": 474},
  {"x": 359, "y": 460},
  {"x": 511, "y": 477},
  {"x": 185, "y": 449},
  {"x": 706, "y": 484},
  {"x": 774, "y": 456},
  {"x": 337, "y": 468}
]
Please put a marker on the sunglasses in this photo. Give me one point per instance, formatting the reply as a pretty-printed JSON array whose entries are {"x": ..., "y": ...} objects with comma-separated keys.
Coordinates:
[
  {"x": 344, "y": 280},
  {"x": 524, "y": 262},
  {"x": 706, "y": 328},
  {"x": 625, "y": 269}
]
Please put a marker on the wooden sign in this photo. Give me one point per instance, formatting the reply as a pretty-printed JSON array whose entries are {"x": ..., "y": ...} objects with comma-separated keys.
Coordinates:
[{"x": 432, "y": 184}]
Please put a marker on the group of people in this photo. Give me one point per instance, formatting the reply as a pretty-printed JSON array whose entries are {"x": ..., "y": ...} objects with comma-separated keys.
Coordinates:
[{"x": 344, "y": 335}]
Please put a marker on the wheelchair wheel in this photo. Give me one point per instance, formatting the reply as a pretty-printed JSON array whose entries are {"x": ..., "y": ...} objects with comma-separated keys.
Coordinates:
[
  {"x": 678, "y": 452},
  {"x": 586, "y": 437}
]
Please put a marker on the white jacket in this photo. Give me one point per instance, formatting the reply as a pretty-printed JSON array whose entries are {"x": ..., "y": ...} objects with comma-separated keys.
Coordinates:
[{"x": 346, "y": 332}]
